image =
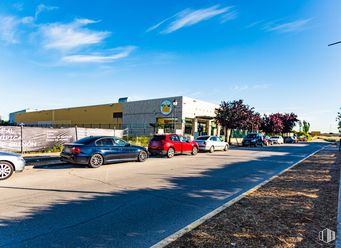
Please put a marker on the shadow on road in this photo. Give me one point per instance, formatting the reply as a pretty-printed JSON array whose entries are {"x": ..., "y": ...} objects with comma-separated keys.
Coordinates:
[{"x": 137, "y": 217}]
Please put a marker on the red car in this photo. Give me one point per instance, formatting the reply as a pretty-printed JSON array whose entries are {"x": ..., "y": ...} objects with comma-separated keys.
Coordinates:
[{"x": 171, "y": 144}]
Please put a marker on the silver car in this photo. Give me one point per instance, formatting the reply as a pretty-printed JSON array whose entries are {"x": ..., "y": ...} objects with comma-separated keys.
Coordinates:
[
  {"x": 10, "y": 162},
  {"x": 211, "y": 143}
]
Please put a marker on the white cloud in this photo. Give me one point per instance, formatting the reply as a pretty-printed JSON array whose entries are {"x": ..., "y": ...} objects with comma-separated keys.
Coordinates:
[
  {"x": 288, "y": 26},
  {"x": 251, "y": 87},
  {"x": 229, "y": 16},
  {"x": 190, "y": 17},
  {"x": 42, "y": 7},
  {"x": 72, "y": 35},
  {"x": 9, "y": 29},
  {"x": 116, "y": 54}
]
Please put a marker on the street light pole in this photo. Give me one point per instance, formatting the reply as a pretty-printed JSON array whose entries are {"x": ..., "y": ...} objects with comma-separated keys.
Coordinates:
[
  {"x": 175, "y": 103},
  {"x": 335, "y": 43}
]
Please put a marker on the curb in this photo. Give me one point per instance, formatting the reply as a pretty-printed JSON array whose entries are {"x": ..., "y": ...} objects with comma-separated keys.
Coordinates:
[
  {"x": 338, "y": 227},
  {"x": 166, "y": 241}
]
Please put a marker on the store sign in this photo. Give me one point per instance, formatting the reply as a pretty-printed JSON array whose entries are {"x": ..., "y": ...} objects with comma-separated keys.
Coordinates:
[{"x": 166, "y": 107}]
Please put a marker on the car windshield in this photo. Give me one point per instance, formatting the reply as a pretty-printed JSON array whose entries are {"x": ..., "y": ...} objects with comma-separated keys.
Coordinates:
[
  {"x": 253, "y": 135},
  {"x": 158, "y": 138},
  {"x": 202, "y": 138},
  {"x": 87, "y": 140},
  {"x": 274, "y": 137}
]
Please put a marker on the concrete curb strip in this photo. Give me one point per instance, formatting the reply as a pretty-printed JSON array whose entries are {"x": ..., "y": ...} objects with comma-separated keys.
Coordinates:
[
  {"x": 338, "y": 227},
  {"x": 198, "y": 222}
]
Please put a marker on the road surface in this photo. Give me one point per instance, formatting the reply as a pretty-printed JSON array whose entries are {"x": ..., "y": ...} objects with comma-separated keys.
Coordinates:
[{"x": 130, "y": 204}]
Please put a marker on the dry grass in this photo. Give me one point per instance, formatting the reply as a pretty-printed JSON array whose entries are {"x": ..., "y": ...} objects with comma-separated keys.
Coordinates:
[{"x": 287, "y": 212}]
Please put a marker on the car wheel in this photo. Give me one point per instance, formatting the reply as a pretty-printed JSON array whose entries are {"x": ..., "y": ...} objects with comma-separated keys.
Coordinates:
[
  {"x": 6, "y": 170},
  {"x": 96, "y": 161},
  {"x": 194, "y": 150},
  {"x": 226, "y": 147},
  {"x": 211, "y": 149},
  {"x": 142, "y": 156},
  {"x": 170, "y": 152}
]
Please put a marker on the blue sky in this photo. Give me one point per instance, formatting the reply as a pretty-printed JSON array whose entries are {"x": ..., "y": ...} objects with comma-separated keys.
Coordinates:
[{"x": 272, "y": 54}]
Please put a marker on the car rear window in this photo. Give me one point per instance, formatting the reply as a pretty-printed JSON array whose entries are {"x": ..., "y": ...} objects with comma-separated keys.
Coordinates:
[
  {"x": 158, "y": 138},
  {"x": 202, "y": 138},
  {"x": 87, "y": 140}
]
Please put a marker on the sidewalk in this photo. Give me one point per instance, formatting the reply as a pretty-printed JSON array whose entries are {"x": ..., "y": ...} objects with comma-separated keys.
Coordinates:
[
  {"x": 35, "y": 159},
  {"x": 289, "y": 211}
]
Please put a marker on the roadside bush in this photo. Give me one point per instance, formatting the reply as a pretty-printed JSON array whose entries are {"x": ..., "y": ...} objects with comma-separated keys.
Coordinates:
[
  {"x": 56, "y": 148},
  {"x": 139, "y": 140}
]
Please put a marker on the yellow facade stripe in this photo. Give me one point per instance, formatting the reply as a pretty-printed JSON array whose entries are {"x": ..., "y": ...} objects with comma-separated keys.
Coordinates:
[{"x": 99, "y": 114}]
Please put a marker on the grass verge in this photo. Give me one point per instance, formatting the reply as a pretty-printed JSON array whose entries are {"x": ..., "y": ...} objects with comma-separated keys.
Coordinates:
[{"x": 289, "y": 211}]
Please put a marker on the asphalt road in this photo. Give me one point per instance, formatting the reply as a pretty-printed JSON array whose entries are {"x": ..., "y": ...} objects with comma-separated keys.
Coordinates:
[{"x": 130, "y": 204}]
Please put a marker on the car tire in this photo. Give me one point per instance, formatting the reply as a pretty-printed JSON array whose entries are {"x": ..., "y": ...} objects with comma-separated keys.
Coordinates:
[
  {"x": 226, "y": 147},
  {"x": 142, "y": 156},
  {"x": 170, "y": 152},
  {"x": 211, "y": 149},
  {"x": 194, "y": 150},
  {"x": 96, "y": 161},
  {"x": 6, "y": 170}
]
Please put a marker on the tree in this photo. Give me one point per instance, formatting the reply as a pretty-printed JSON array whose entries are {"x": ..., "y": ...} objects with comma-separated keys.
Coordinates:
[
  {"x": 300, "y": 126},
  {"x": 236, "y": 115},
  {"x": 272, "y": 123},
  {"x": 289, "y": 122},
  {"x": 254, "y": 121},
  {"x": 338, "y": 119},
  {"x": 306, "y": 127}
]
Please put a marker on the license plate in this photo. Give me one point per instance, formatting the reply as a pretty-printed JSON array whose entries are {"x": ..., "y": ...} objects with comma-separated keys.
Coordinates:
[{"x": 67, "y": 150}]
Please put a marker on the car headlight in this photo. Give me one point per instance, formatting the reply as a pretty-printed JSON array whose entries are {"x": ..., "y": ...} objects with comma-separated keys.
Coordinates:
[{"x": 21, "y": 159}]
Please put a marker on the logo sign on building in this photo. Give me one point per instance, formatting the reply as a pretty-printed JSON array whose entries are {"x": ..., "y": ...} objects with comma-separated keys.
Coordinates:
[{"x": 166, "y": 107}]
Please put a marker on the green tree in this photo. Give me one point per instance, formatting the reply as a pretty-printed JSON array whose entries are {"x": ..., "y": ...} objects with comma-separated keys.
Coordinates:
[
  {"x": 306, "y": 127},
  {"x": 338, "y": 119},
  {"x": 300, "y": 126},
  {"x": 236, "y": 115}
]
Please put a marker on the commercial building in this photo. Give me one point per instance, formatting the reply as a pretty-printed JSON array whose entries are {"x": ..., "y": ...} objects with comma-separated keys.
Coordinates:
[{"x": 179, "y": 114}]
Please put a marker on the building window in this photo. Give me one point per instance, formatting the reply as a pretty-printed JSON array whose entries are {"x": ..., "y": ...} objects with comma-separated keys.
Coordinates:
[{"x": 117, "y": 115}]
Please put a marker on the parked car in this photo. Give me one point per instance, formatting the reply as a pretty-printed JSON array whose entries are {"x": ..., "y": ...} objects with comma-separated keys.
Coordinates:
[
  {"x": 211, "y": 143},
  {"x": 9, "y": 163},
  {"x": 95, "y": 151},
  {"x": 277, "y": 139},
  {"x": 253, "y": 139},
  {"x": 267, "y": 141},
  {"x": 171, "y": 144},
  {"x": 291, "y": 140}
]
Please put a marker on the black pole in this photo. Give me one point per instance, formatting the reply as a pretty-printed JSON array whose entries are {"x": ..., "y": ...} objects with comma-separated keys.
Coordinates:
[
  {"x": 21, "y": 140},
  {"x": 76, "y": 132},
  {"x": 335, "y": 43}
]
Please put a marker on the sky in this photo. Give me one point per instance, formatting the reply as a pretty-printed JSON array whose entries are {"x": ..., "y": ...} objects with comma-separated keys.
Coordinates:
[{"x": 272, "y": 54}]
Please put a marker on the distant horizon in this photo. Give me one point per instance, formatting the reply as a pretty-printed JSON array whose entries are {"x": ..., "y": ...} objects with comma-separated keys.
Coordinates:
[{"x": 273, "y": 55}]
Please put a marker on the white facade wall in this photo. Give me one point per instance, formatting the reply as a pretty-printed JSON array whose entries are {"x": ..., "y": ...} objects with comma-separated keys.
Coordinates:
[{"x": 193, "y": 108}]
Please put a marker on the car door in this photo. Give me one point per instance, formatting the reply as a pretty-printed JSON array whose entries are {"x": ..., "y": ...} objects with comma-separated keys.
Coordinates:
[
  {"x": 185, "y": 144},
  {"x": 176, "y": 143},
  {"x": 105, "y": 147},
  {"x": 220, "y": 143},
  {"x": 215, "y": 142},
  {"x": 127, "y": 151}
]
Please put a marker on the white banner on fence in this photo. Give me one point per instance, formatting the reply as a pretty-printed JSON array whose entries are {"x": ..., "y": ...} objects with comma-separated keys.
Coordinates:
[{"x": 13, "y": 138}]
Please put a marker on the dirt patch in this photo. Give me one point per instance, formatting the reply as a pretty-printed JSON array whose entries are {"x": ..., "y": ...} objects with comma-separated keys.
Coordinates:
[{"x": 289, "y": 211}]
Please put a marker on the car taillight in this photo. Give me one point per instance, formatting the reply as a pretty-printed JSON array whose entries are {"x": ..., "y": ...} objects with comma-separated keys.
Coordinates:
[{"x": 76, "y": 150}]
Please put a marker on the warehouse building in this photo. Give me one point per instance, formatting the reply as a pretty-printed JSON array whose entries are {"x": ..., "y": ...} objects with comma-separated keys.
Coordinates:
[{"x": 179, "y": 114}]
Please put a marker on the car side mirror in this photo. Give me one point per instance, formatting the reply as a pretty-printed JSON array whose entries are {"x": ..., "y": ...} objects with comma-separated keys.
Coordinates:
[{"x": 127, "y": 144}]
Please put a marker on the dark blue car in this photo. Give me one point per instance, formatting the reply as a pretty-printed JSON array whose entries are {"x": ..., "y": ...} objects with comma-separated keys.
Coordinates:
[{"x": 98, "y": 150}]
